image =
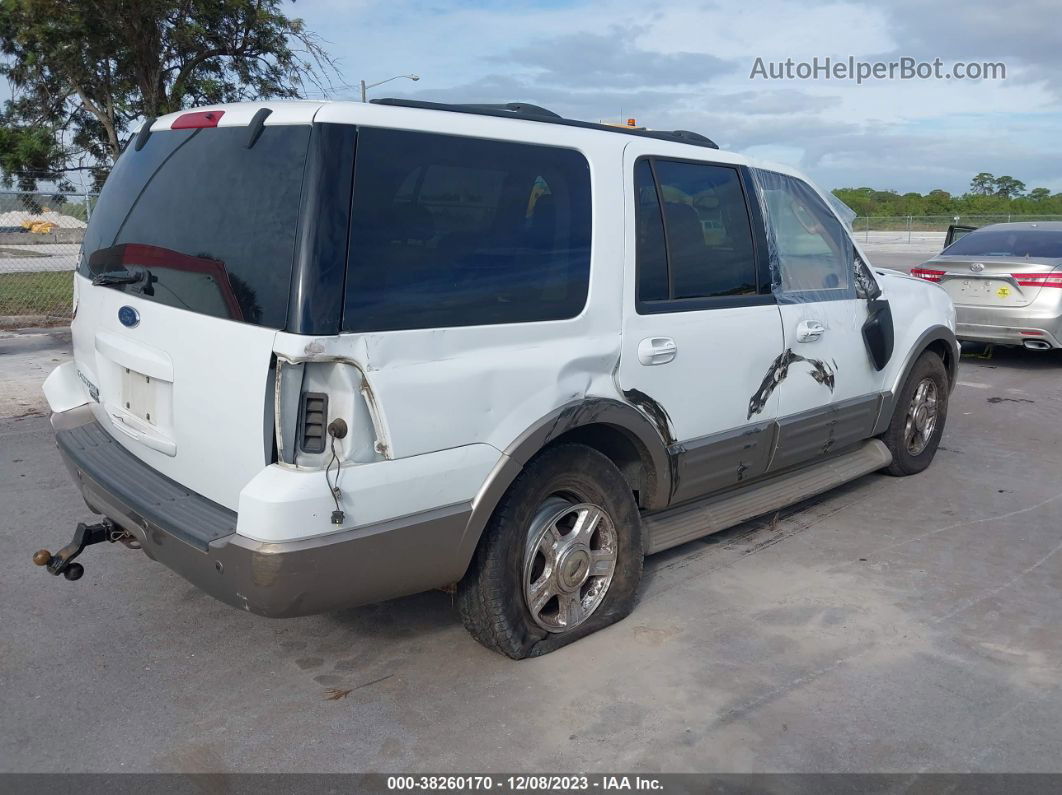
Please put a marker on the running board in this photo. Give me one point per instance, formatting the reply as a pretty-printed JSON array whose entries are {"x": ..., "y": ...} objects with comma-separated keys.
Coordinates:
[{"x": 685, "y": 523}]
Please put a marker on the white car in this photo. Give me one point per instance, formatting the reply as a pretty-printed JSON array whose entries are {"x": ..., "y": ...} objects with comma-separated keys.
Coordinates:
[{"x": 327, "y": 354}]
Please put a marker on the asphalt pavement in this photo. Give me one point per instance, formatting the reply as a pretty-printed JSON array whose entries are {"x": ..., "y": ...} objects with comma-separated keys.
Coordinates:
[{"x": 895, "y": 624}]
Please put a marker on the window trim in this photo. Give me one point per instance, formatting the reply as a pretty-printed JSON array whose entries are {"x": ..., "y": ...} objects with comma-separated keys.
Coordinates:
[
  {"x": 764, "y": 293},
  {"x": 322, "y": 237},
  {"x": 820, "y": 294}
]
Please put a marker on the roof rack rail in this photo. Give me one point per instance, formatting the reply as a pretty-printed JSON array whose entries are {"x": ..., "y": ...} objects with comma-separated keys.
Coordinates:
[
  {"x": 515, "y": 108},
  {"x": 529, "y": 112},
  {"x": 693, "y": 137}
]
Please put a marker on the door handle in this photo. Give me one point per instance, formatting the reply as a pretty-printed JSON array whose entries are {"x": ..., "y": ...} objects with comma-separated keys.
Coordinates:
[
  {"x": 656, "y": 350},
  {"x": 810, "y": 331}
]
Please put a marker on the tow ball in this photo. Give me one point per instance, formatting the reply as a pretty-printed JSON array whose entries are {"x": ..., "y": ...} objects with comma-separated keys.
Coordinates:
[{"x": 85, "y": 535}]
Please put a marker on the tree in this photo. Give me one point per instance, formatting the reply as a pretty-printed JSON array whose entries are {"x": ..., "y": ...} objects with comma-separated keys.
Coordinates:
[
  {"x": 938, "y": 202},
  {"x": 984, "y": 184},
  {"x": 1009, "y": 188},
  {"x": 82, "y": 74},
  {"x": 1039, "y": 194}
]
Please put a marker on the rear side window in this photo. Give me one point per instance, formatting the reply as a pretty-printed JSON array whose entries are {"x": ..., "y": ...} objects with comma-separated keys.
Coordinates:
[
  {"x": 694, "y": 235},
  {"x": 1040, "y": 243},
  {"x": 454, "y": 231},
  {"x": 203, "y": 222}
]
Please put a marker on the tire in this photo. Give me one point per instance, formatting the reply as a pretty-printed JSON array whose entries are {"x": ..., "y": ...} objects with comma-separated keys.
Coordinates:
[
  {"x": 912, "y": 447},
  {"x": 564, "y": 490}
]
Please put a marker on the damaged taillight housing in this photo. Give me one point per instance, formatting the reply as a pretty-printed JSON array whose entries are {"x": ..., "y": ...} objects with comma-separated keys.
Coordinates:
[{"x": 308, "y": 397}]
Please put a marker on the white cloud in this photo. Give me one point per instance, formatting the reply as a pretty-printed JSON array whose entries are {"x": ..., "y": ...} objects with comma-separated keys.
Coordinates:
[{"x": 686, "y": 65}]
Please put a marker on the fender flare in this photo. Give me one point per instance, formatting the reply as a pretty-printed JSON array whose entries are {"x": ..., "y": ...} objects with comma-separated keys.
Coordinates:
[
  {"x": 630, "y": 421},
  {"x": 927, "y": 338}
]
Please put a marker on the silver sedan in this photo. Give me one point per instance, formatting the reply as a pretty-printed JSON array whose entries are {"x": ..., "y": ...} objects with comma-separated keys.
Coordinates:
[{"x": 1006, "y": 283}]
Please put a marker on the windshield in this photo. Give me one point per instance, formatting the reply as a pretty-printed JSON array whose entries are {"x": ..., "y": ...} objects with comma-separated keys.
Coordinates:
[
  {"x": 1039, "y": 243},
  {"x": 197, "y": 220}
]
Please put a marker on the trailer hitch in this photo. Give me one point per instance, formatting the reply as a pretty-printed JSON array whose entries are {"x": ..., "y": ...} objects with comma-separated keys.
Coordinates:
[{"x": 85, "y": 535}]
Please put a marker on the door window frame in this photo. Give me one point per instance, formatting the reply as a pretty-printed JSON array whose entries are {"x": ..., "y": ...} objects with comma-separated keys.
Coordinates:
[
  {"x": 764, "y": 293},
  {"x": 848, "y": 292}
]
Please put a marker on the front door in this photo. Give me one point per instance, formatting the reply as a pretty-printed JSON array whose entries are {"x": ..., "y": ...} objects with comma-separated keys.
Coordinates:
[
  {"x": 700, "y": 323},
  {"x": 829, "y": 391}
]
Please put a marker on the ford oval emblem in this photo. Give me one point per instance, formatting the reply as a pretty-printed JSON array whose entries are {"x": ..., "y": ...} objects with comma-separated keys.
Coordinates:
[{"x": 128, "y": 317}]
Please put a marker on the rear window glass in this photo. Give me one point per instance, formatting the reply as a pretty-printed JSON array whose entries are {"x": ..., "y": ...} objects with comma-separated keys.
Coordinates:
[
  {"x": 1041, "y": 243},
  {"x": 454, "y": 231},
  {"x": 203, "y": 223}
]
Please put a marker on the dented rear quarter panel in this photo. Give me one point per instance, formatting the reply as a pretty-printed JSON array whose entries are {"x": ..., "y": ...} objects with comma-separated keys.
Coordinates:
[{"x": 441, "y": 388}]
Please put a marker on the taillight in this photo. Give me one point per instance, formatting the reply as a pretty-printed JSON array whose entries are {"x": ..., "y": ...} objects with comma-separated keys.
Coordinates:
[
  {"x": 927, "y": 274},
  {"x": 201, "y": 118},
  {"x": 1038, "y": 279}
]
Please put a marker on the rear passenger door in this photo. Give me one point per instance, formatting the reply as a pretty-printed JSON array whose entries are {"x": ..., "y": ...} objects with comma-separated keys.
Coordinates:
[{"x": 700, "y": 324}]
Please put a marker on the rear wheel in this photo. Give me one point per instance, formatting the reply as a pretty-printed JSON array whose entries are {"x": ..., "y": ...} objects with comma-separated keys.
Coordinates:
[
  {"x": 560, "y": 558},
  {"x": 918, "y": 419}
]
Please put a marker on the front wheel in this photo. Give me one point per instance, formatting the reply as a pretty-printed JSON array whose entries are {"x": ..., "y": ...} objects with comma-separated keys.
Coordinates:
[
  {"x": 918, "y": 419},
  {"x": 560, "y": 558}
]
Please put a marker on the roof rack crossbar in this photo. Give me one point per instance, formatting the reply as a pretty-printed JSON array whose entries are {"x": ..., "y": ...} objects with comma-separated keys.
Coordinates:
[{"x": 529, "y": 112}]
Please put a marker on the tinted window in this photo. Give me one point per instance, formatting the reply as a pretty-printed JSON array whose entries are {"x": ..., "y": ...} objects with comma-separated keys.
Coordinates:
[
  {"x": 700, "y": 245},
  {"x": 1043, "y": 243},
  {"x": 812, "y": 251},
  {"x": 651, "y": 249},
  {"x": 208, "y": 224},
  {"x": 452, "y": 231}
]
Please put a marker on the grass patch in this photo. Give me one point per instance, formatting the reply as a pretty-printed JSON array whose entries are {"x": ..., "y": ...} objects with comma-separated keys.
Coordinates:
[{"x": 39, "y": 293}]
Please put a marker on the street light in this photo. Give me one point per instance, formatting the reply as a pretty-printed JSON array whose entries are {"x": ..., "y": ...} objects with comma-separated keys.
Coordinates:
[{"x": 365, "y": 88}]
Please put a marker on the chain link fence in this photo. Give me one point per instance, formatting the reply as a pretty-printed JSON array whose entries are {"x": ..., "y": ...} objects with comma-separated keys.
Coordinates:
[
  {"x": 41, "y": 233},
  {"x": 40, "y": 236},
  {"x": 923, "y": 233}
]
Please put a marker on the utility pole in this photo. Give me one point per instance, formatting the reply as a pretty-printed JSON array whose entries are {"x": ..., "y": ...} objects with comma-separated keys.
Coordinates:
[{"x": 366, "y": 86}]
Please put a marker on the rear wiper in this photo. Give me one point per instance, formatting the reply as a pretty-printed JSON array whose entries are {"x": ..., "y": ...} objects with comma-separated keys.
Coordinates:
[{"x": 105, "y": 279}]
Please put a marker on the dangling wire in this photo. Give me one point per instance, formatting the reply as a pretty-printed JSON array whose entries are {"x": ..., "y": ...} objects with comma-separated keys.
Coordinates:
[{"x": 337, "y": 515}]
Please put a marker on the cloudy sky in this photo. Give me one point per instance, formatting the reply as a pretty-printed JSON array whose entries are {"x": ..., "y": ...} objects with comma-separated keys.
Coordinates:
[{"x": 687, "y": 65}]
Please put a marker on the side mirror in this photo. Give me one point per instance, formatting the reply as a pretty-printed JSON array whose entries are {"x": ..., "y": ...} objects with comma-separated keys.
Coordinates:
[{"x": 878, "y": 333}]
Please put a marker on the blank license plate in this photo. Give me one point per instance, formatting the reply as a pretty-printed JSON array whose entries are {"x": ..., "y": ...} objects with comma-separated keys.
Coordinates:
[{"x": 138, "y": 395}]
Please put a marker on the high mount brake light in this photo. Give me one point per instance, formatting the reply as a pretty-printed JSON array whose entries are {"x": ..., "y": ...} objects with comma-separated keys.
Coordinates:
[
  {"x": 927, "y": 274},
  {"x": 201, "y": 118}
]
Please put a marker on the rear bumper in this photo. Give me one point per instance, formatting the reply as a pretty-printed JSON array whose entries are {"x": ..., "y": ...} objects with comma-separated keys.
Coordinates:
[
  {"x": 196, "y": 537},
  {"x": 1003, "y": 325}
]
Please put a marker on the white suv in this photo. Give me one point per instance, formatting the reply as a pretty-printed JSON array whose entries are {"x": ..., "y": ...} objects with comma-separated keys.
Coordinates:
[{"x": 327, "y": 354}]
